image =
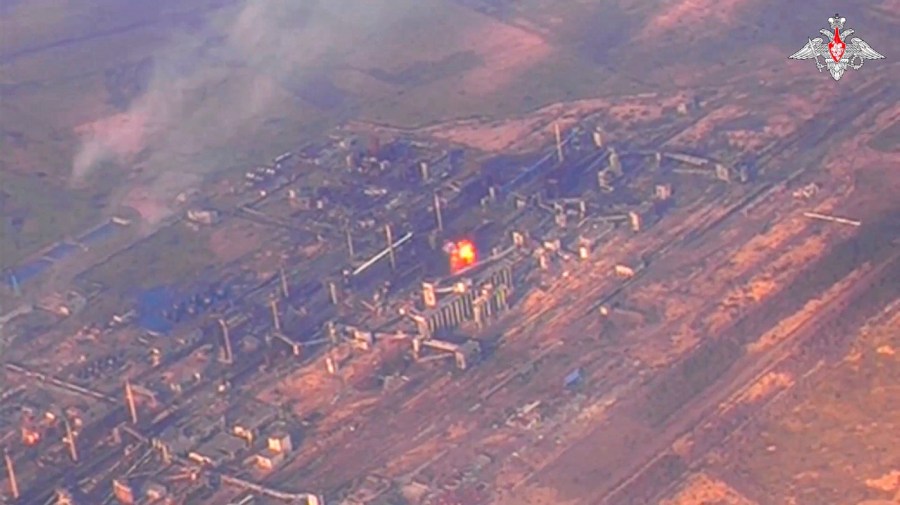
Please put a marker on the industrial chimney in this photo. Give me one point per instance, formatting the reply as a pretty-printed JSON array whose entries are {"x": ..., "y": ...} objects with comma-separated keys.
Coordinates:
[
  {"x": 11, "y": 472},
  {"x": 129, "y": 400}
]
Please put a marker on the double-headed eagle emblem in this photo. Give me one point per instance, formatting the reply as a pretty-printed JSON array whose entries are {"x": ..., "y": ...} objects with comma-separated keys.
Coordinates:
[{"x": 837, "y": 54}]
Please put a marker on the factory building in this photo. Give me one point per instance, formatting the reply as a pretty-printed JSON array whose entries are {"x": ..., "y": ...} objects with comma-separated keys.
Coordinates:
[{"x": 474, "y": 296}]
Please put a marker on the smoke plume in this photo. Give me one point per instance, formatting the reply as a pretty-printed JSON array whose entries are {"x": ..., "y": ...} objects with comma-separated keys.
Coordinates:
[{"x": 218, "y": 82}]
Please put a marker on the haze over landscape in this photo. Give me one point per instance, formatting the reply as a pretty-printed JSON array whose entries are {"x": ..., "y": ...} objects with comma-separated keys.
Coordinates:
[
  {"x": 445, "y": 252},
  {"x": 172, "y": 90},
  {"x": 221, "y": 78}
]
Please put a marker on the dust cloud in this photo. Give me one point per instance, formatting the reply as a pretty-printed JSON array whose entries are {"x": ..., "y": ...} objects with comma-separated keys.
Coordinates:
[{"x": 219, "y": 80}]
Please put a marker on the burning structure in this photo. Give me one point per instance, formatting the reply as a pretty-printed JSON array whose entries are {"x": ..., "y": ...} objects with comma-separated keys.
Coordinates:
[
  {"x": 463, "y": 254},
  {"x": 379, "y": 227}
]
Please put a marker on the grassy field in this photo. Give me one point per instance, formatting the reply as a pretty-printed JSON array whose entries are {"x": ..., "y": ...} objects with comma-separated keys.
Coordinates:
[
  {"x": 219, "y": 84},
  {"x": 170, "y": 256},
  {"x": 888, "y": 140},
  {"x": 407, "y": 65},
  {"x": 839, "y": 437},
  {"x": 24, "y": 198}
]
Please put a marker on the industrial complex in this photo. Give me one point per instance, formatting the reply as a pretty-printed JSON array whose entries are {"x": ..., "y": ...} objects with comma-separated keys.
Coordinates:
[{"x": 411, "y": 323}]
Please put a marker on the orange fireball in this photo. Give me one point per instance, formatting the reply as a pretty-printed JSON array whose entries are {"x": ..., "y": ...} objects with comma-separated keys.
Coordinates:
[
  {"x": 466, "y": 252},
  {"x": 462, "y": 255}
]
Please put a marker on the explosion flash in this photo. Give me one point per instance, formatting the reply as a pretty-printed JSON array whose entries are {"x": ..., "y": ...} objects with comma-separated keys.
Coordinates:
[{"x": 463, "y": 254}]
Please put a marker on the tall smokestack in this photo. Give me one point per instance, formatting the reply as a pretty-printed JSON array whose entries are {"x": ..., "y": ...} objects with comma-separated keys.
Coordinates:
[
  {"x": 276, "y": 321},
  {"x": 332, "y": 293},
  {"x": 390, "y": 242},
  {"x": 331, "y": 362},
  {"x": 129, "y": 399},
  {"x": 285, "y": 292},
  {"x": 11, "y": 472},
  {"x": 350, "y": 249},
  {"x": 438, "y": 216},
  {"x": 70, "y": 440},
  {"x": 559, "y": 150},
  {"x": 226, "y": 342}
]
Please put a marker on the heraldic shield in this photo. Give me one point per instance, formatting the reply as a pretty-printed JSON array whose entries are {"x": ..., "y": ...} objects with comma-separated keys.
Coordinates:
[{"x": 837, "y": 55}]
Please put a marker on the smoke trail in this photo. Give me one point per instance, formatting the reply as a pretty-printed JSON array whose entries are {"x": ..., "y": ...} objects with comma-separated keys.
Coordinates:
[{"x": 220, "y": 82}]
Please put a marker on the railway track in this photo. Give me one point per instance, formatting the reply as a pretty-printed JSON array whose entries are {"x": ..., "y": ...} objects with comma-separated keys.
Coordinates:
[
  {"x": 591, "y": 360},
  {"x": 643, "y": 483},
  {"x": 667, "y": 463}
]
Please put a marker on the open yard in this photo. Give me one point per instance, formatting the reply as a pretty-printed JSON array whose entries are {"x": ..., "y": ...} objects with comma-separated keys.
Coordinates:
[{"x": 832, "y": 439}]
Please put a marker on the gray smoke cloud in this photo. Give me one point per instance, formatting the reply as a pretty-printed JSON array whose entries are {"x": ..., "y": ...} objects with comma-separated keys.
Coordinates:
[{"x": 221, "y": 81}]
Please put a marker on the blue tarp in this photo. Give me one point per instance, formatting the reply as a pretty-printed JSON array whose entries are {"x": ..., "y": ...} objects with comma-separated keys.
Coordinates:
[
  {"x": 150, "y": 306},
  {"x": 99, "y": 234},
  {"x": 573, "y": 378},
  {"x": 28, "y": 271}
]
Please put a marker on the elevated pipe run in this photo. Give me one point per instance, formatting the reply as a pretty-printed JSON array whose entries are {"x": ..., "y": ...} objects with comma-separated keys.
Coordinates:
[
  {"x": 307, "y": 498},
  {"x": 387, "y": 250},
  {"x": 129, "y": 399},
  {"x": 833, "y": 219},
  {"x": 68, "y": 386},
  {"x": 300, "y": 498}
]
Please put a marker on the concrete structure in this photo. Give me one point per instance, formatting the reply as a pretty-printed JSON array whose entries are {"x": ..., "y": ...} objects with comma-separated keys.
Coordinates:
[
  {"x": 220, "y": 449},
  {"x": 249, "y": 423},
  {"x": 123, "y": 491},
  {"x": 269, "y": 459},
  {"x": 206, "y": 217},
  {"x": 155, "y": 491},
  {"x": 279, "y": 445},
  {"x": 624, "y": 271},
  {"x": 663, "y": 192},
  {"x": 280, "y": 441},
  {"x": 486, "y": 295},
  {"x": 464, "y": 355}
]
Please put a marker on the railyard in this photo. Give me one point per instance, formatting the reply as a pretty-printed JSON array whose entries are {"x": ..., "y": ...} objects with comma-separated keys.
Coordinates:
[{"x": 626, "y": 296}]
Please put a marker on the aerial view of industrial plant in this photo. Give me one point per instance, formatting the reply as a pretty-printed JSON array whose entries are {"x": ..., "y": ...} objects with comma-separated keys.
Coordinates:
[{"x": 449, "y": 252}]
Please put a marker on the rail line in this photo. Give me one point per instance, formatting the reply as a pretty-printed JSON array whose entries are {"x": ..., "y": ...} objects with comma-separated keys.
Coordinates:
[
  {"x": 749, "y": 200},
  {"x": 699, "y": 414}
]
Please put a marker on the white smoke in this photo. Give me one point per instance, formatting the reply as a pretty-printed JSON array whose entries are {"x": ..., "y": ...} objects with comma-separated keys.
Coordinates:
[{"x": 221, "y": 82}]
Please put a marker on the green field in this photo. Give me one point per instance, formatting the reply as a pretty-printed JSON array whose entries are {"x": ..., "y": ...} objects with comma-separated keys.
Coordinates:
[
  {"x": 210, "y": 86},
  {"x": 233, "y": 85},
  {"x": 35, "y": 215},
  {"x": 170, "y": 256}
]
